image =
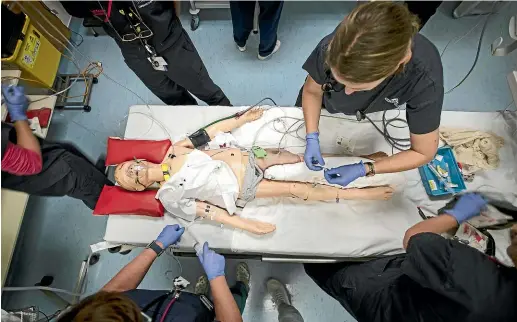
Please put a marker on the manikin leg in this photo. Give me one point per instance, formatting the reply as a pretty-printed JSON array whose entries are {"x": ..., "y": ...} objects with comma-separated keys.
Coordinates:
[
  {"x": 309, "y": 191},
  {"x": 277, "y": 157}
]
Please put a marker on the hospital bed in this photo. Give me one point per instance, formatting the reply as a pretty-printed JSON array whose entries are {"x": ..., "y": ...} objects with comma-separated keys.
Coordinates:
[{"x": 318, "y": 231}]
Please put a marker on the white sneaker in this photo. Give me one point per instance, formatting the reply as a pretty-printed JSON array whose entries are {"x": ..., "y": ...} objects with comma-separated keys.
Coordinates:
[
  {"x": 278, "y": 292},
  {"x": 241, "y": 49},
  {"x": 277, "y": 47}
]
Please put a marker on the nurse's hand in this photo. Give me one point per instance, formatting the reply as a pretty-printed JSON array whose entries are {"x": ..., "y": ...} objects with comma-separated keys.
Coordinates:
[
  {"x": 312, "y": 156},
  {"x": 170, "y": 235},
  {"x": 16, "y": 102},
  {"x": 212, "y": 263},
  {"x": 469, "y": 205},
  {"x": 345, "y": 174}
]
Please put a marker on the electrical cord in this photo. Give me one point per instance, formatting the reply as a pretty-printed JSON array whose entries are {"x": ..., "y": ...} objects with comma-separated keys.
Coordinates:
[
  {"x": 78, "y": 34},
  {"x": 480, "y": 41}
]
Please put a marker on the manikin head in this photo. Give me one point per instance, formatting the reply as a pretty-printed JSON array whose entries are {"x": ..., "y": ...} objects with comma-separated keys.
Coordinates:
[
  {"x": 133, "y": 175},
  {"x": 371, "y": 44}
]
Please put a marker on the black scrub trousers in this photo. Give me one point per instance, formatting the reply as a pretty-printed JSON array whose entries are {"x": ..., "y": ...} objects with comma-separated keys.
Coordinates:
[
  {"x": 268, "y": 19},
  {"x": 185, "y": 73},
  {"x": 65, "y": 172},
  {"x": 436, "y": 280}
]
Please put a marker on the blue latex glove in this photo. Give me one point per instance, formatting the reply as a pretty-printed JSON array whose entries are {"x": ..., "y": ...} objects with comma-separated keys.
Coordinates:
[
  {"x": 213, "y": 263},
  {"x": 170, "y": 235},
  {"x": 16, "y": 102},
  {"x": 312, "y": 154},
  {"x": 345, "y": 174},
  {"x": 469, "y": 205}
]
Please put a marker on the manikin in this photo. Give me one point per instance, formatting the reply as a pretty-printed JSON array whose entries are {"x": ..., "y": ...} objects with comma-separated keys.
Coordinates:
[{"x": 208, "y": 183}]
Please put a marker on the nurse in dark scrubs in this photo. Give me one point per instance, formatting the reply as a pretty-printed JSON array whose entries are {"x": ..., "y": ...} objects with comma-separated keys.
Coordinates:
[{"x": 374, "y": 61}]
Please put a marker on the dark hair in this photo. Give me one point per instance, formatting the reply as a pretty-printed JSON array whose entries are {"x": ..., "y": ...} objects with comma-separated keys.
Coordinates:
[
  {"x": 104, "y": 307},
  {"x": 372, "y": 41}
]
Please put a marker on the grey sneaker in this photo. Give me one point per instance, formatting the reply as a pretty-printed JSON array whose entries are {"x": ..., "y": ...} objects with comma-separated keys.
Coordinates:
[
  {"x": 202, "y": 286},
  {"x": 241, "y": 49},
  {"x": 243, "y": 274},
  {"x": 278, "y": 292},
  {"x": 277, "y": 47}
]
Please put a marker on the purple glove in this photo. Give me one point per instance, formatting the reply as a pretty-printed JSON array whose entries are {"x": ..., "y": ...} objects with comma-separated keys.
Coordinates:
[
  {"x": 345, "y": 174},
  {"x": 16, "y": 102},
  {"x": 469, "y": 205},
  {"x": 213, "y": 263},
  {"x": 312, "y": 154},
  {"x": 170, "y": 235}
]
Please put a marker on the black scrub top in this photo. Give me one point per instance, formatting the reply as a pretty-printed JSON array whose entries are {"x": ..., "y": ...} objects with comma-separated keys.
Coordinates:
[{"x": 420, "y": 85}]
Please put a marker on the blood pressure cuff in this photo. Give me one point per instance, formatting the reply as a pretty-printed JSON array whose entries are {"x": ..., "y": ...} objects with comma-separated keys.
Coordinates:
[
  {"x": 199, "y": 138},
  {"x": 115, "y": 200},
  {"x": 120, "y": 150}
]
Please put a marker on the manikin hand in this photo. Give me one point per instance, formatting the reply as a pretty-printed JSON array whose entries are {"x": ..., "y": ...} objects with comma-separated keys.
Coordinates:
[
  {"x": 469, "y": 205},
  {"x": 345, "y": 174},
  {"x": 170, "y": 235},
  {"x": 212, "y": 262},
  {"x": 312, "y": 154},
  {"x": 16, "y": 102}
]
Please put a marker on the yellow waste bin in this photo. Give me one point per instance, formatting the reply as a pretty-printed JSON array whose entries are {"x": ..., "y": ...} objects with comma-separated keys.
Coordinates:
[{"x": 26, "y": 49}]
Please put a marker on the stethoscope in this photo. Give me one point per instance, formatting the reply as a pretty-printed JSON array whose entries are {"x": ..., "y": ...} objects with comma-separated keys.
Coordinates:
[{"x": 332, "y": 85}]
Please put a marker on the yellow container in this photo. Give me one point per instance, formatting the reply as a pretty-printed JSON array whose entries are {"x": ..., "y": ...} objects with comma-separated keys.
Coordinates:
[{"x": 35, "y": 56}]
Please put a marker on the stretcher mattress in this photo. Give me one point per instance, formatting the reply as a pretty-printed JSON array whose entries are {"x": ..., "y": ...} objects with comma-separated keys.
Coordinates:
[{"x": 328, "y": 229}]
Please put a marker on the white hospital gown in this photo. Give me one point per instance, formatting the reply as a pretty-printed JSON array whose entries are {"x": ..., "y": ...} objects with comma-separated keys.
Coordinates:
[{"x": 200, "y": 178}]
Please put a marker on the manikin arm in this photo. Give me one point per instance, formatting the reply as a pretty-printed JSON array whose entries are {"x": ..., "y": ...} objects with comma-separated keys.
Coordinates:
[
  {"x": 226, "y": 126},
  {"x": 219, "y": 215}
]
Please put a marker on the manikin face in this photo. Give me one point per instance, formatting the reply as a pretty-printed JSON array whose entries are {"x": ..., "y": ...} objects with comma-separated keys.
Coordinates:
[{"x": 133, "y": 175}]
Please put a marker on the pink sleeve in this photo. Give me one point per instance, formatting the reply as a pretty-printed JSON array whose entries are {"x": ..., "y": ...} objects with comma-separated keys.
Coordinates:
[{"x": 20, "y": 161}]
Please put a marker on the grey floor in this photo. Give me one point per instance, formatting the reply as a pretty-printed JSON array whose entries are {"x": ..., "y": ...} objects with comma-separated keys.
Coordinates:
[{"x": 57, "y": 232}]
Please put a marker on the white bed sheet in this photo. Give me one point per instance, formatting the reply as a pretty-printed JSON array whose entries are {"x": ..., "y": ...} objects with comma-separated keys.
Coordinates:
[{"x": 347, "y": 229}]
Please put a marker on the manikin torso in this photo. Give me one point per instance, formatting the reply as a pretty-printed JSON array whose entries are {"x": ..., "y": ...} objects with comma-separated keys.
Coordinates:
[{"x": 235, "y": 158}]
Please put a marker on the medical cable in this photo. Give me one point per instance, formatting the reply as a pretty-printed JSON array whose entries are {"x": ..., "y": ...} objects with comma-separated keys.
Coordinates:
[
  {"x": 480, "y": 41},
  {"x": 460, "y": 37}
]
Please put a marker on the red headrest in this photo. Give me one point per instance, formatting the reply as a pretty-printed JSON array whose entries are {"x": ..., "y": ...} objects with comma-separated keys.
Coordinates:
[
  {"x": 124, "y": 150},
  {"x": 115, "y": 200}
]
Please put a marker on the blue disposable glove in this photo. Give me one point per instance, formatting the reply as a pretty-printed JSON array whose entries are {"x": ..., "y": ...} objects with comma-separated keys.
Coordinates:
[
  {"x": 312, "y": 154},
  {"x": 469, "y": 205},
  {"x": 170, "y": 235},
  {"x": 16, "y": 102},
  {"x": 213, "y": 263},
  {"x": 345, "y": 174}
]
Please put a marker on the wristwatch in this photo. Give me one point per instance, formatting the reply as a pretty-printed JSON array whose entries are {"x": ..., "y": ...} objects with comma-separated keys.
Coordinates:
[
  {"x": 154, "y": 246},
  {"x": 371, "y": 169}
]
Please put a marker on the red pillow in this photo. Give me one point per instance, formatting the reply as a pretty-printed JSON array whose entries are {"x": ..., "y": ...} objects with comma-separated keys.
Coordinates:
[
  {"x": 124, "y": 150},
  {"x": 115, "y": 200}
]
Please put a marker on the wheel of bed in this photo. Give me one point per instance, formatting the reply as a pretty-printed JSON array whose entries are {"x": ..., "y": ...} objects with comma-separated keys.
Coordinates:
[{"x": 115, "y": 200}]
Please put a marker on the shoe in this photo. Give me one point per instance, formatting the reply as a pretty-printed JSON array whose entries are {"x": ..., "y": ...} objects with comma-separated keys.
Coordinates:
[
  {"x": 243, "y": 274},
  {"x": 202, "y": 286},
  {"x": 278, "y": 292},
  {"x": 277, "y": 47},
  {"x": 241, "y": 49}
]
